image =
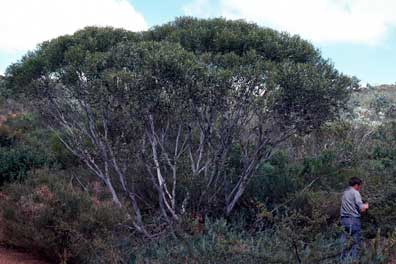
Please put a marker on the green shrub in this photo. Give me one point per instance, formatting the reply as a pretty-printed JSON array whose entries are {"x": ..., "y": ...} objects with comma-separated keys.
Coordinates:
[
  {"x": 63, "y": 158},
  {"x": 223, "y": 243},
  {"x": 286, "y": 242},
  {"x": 17, "y": 154},
  {"x": 275, "y": 180},
  {"x": 47, "y": 215},
  {"x": 16, "y": 162},
  {"x": 24, "y": 146}
]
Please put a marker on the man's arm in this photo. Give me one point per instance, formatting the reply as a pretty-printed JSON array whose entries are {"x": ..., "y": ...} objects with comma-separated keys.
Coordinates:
[
  {"x": 365, "y": 207},
  {"x": 362, "y": 206}
]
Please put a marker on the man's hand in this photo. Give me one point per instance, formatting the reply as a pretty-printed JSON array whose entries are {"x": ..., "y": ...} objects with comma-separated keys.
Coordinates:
[{"x": 365, "y": 207}]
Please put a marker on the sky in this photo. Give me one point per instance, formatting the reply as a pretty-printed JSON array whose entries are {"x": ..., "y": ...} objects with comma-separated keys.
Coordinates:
[{"x": 358, "y": 36}]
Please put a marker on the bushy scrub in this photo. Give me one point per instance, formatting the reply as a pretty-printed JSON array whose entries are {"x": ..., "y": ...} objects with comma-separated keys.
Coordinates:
[
  {"x": 191, "y": 120},
  {"x": 25, "y": 146},
  {"x": 16, "y": 162},
  {"x": 17, "y": 155},
  {"x": 275, "y": 180},
  {"x": 220, "y": 243},
  {"x": 47, "y": 215}
]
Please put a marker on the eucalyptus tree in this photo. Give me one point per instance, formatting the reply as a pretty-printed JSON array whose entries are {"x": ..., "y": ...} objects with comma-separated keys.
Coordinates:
[{"x": 173, "y": 106}]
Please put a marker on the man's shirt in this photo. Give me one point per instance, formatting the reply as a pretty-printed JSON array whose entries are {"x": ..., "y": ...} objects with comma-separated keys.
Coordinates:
[{"x": 351, "y": 203}]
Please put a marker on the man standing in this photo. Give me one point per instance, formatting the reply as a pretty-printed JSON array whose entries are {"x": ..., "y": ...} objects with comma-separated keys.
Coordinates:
[{"x": 351, "y": 208}]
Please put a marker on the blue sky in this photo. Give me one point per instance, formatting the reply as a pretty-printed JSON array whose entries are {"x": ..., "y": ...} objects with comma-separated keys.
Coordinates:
[{"x": 359, "y": 36}]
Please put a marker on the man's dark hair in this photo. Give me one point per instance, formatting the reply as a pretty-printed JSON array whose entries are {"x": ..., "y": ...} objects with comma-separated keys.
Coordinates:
[{"x": 355, "y": 180}]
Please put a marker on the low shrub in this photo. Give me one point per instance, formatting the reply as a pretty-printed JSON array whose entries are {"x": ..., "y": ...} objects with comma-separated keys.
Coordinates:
[
  {"x": 19, "y": 151},
  {"x": 219, "y": 242},
  {"x": 16, "y": 162},
  {"x": 49, "y": 216}
]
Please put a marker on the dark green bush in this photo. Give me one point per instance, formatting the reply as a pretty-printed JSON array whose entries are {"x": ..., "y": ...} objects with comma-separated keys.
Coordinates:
[
  {"x": 275, "y": 180},
  {"x": 24, "y": 146},
  {"x": 16, "y": 162}
]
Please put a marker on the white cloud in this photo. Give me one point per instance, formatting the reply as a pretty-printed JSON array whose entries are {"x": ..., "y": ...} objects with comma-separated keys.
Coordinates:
[
  {"x": 322, "y": 21},
  {"x": 25, "y": 23},
  {"x": 200, "y": 8}
]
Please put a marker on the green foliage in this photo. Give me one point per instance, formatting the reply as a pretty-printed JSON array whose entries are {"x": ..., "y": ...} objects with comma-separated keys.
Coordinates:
[
  {"x": 224, "y": 36},
  {"x": 224, "y": 81},
  {"x": 308, "y": 88},
  {"x": 61, "y": 156},
  {"x": 275, "y": 180},
  {"x": 373, "y": 104},
  {"x": 222, "y": 243},
  {"x": 282, "y": 176},
  {"x": 380, "y": 104},
  {"x": 289, "y": 61},
  {"x": 49, "y": 216},
  {"x": 25, "y": 146},
  {"x": 3, "y": 89},
  {"x": 189, "y": 76},
  {"x": 64, "y": 52},
  {"x": 16, "y": 162},
  {"x": 384, "y": 142},
  {"x": 18, "y": 153}
]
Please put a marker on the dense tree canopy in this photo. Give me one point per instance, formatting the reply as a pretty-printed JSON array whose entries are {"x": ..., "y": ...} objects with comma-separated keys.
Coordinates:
[{"x": 171, "y": 105}]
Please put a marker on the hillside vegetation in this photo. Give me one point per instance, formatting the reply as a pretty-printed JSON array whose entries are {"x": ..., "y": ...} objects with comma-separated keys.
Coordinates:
[{"x": 198, "y": 141}]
